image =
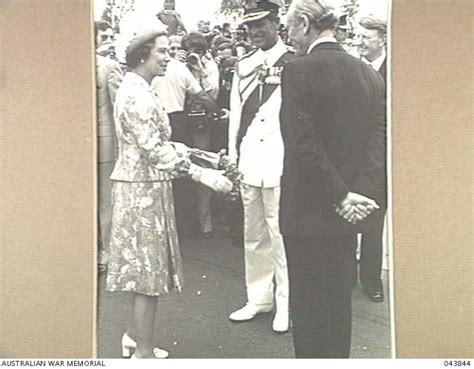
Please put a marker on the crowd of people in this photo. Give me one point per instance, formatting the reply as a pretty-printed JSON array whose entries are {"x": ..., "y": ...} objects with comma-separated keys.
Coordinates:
[{"x": 302, "y": 119}]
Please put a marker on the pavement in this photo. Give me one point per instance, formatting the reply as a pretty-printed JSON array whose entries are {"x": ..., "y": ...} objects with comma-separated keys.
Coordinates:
[{"x": 195, "y": 324}]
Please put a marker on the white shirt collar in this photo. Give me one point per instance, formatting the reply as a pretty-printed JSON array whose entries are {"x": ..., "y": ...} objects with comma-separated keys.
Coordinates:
[
  {"x": 320, "y": 41},
  {"x": 377, "y": 63}
]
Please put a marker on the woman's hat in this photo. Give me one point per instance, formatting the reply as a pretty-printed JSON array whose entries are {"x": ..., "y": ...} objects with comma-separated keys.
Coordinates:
[{"x": 145, "y": 35}]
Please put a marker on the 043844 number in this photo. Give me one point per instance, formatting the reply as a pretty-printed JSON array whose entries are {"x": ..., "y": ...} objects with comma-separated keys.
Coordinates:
[{"x": 457, "y": 363}]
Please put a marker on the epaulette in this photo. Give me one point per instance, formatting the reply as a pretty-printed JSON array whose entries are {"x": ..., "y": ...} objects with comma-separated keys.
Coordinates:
[
  {"x": 245, "y": 56},
  {"x": 237, "y": 65}
]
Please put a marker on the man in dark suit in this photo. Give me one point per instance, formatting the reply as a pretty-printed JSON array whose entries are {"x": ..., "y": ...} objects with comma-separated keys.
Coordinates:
[
  {"x": 109, "y": 76},
  {"x": 373, "y": 40},
  {"x": 332, "y": 120}
]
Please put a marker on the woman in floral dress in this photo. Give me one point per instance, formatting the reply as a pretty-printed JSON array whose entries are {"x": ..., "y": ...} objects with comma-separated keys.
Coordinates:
[{"x": 145, "y": 257}]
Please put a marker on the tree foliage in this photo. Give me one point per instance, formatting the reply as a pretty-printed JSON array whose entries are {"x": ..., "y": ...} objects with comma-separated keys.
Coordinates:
[
  {"x": 229, "y": 7},
  {"x": 115, "y": 10},
  {"x": 350, "y": 8}
]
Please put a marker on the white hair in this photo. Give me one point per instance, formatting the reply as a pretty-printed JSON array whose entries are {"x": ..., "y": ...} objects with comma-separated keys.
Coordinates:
[{"x": 320, "y": 13}]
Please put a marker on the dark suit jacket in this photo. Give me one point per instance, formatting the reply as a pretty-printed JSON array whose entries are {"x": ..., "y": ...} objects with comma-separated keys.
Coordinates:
[
  {"x": 333, "y": 128},
  {"x": 381, "y": 195},
  {"x": 109, "y": 77},
  {"x": 383, "y": 70}
]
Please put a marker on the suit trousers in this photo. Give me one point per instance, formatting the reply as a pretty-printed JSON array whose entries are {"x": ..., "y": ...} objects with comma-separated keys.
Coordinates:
[
  {"x": 105, "y": 207},
  {"x": 266, "y": 273},
  {"x": 321, "y": 271},
  {"x": 371, "y": 254}
]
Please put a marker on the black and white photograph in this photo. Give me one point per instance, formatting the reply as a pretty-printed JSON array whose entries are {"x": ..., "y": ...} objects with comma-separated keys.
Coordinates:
[{"x": 243, "y": 179}]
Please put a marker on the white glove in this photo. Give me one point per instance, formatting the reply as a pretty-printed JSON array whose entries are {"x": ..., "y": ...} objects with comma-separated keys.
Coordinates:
[
  {"x": 181, "y": 148},
  {"x": 166, "y": 158},
  {"x": 211, "y": 178}
]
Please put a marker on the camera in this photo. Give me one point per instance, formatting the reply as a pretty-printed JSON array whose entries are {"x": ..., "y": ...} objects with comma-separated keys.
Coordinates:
[
  {"x": 197, "y": 116},
  {"x": 193, "y": 59}
]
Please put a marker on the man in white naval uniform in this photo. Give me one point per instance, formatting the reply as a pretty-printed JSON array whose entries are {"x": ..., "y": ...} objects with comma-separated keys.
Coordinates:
[{"x": 255, "y": 142}]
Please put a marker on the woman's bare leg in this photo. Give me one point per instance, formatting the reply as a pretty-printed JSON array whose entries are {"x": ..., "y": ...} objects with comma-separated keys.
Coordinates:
[{"x": 144, "y": 318}]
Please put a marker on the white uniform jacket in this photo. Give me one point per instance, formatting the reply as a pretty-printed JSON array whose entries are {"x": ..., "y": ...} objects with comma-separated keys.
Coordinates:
[{"x": 261, "y": 152}]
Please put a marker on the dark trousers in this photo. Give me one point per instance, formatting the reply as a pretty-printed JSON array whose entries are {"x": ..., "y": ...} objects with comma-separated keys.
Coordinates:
[
  {"x": 184, "y": 189},
  {"x": 179, "y": 128},
  {"x": 321, "y": 272},
  {"x": 202, "y": 140},
  {"x": 371, "y": 254}
]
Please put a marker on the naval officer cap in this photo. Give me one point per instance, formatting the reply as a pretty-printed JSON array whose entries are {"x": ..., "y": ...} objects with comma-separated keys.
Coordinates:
[{"x": 259, "y": 9}]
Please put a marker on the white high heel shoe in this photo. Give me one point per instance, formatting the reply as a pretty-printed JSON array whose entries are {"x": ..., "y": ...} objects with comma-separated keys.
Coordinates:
[{"x": 129, "y": 344}]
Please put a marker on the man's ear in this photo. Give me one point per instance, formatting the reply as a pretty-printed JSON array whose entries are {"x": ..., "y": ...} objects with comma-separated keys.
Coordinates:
[
  {"x": 383, "y": 39},
  {"x": 306, "y": 23}
]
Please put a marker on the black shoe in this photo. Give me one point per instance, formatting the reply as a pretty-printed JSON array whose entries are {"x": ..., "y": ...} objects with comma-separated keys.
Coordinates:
[{"x": 375, "y": 294}]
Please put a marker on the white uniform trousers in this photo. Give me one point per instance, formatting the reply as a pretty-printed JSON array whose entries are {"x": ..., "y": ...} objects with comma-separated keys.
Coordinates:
[{"x": 266, "y": 273}]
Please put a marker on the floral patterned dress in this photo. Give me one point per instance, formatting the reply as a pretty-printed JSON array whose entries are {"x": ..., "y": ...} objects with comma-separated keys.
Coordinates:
[{"x": 144, "y": 251}]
